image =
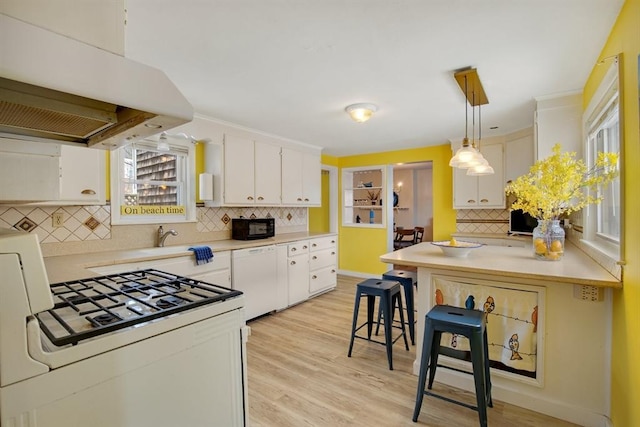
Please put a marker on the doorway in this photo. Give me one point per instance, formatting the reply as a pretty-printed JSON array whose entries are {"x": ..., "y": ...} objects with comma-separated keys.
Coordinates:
[
  {"x": 324, "y": 219},
  {"x": 413, "y": 188}
]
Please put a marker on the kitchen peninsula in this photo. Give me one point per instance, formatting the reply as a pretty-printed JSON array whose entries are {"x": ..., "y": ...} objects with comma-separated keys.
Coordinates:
[{"x": 565, "y": 329}]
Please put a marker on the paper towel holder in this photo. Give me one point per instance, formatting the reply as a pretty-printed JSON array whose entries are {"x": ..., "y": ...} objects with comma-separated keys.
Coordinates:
[{"x": 206, "y": 186}]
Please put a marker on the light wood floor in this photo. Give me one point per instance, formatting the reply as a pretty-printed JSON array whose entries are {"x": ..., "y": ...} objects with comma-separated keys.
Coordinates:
[{"x": 300, "y": 375}]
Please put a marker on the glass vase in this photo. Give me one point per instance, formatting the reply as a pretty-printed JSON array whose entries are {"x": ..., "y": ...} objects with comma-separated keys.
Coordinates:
[{"x": 548, "y": 240}]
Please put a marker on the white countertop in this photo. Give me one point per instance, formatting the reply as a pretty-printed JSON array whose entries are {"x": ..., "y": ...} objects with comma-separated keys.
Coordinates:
[
  {"x": 71, "y": 267},
  {"x": 575, "y": 267}
]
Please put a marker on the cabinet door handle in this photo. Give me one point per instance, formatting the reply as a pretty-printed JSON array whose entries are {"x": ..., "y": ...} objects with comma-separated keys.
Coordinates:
[
  {"x": 313, "y": 245},
  {"x": 260, "y": 198},
  {"x": 333, "y": 253},
  {"x": 306, "y": 200},
  {"x": 314, "y": 257},
  {"x": 484, "y": 201},
  {"x": 333, "y": 271},
  {"x": 314, "y": 277},
  {"x": 250, "y": 198},
  {"x": 88, "y": 191},
  {"x": 293, "y": 263},
  {"x": 471, "y": 201},
  {"x": 333, "y": 241},
  {"x": 293, "y": 249},
  {"x": 304, "y": 247},
  {"x": 299, "y": 199}
]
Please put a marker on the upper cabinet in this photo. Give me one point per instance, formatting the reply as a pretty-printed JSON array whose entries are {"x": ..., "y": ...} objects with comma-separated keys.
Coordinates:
[
  {"x": 301, "y": 178},
  {"x": 251, "y": 172},
  {"x": 558, "y": 120},
  {"x": 51, "y": 174},
  {"x": 246, "y": 168},
  {"x": 519, "y": 154},
  {"x": 481, "y": 192}
]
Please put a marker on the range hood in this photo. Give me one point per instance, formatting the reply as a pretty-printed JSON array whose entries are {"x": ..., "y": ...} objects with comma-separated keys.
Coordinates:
[{"x": 54, "y": 88}]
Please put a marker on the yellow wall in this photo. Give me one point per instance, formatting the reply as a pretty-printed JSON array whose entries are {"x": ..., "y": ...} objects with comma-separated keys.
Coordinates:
[
  {"x": 360, "y": 248},
  {"x": 625, "y": 370},
  {"x": 319, "y": 217}
]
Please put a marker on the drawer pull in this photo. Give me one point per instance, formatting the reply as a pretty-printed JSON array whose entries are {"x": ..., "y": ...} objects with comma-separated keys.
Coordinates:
[
  {"x": 333, "y": 253},
  {"x": 304, "y": 247},
  {"x": 299, "y": 199},
  {"x": 471, "y": 201},
  {"x": 88, "y": 191},
  {"x": 484, "y": 201},
  {"x": 293, "y": 249},
  {"x": 306, "y": 200},
  {"x": 249, "y": 197},
  {"x": 333, "y": 241},
  {"x": 313, "y": 245},
  {"x": 333, "y": 271},
  {"x": 314, "y": 257},
  {"x": 314, "y": 277},
  {"x": 293, "y": 263},
  {"x": 260, "y": 198}
]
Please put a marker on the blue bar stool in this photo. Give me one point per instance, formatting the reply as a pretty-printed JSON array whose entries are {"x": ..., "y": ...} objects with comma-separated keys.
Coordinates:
[
  {"x": 390, "y": 298},
  {"x": 461, "y": 321},
  {"x": 408, "y": 279}
]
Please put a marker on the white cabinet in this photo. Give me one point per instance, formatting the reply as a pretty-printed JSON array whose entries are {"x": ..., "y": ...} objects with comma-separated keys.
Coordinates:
[
  {"x": 481, "y": 192},
  {"x": 251, "y": 172},
  {"x": 558, "y": 120},
  {"x": 519, "y": 154},
  {"x": 217, "y": 272},
  {"x": 51, "y": 174},
  {"x": 301, "y": 180},
  {"x": 82, "y": 175},
  {"x": 322, "y": 264},
  {"x": 298, "y": 272}
]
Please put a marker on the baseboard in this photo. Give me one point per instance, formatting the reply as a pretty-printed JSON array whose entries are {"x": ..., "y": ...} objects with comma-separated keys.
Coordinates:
[
  {"x": 359, "y": 274},
  {"x": 577, "y": 415}
]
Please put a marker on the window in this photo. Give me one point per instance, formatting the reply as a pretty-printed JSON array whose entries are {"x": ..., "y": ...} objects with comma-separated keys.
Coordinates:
[
  {"x": 151, "y": 186},
  {"x": 603, "y": 223}
]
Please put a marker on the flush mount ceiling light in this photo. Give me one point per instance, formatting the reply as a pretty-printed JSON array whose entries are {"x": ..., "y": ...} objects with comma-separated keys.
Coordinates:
[{"x": 361, "y": 112}]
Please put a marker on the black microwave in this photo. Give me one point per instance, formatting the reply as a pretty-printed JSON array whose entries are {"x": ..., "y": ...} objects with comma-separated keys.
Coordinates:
[
  {"x": 252, "y": 228},
  {"x": 521, "y": 222}
]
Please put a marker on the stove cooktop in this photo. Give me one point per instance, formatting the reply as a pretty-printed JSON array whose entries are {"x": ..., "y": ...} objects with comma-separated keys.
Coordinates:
[{"x": 91, "y": 307}]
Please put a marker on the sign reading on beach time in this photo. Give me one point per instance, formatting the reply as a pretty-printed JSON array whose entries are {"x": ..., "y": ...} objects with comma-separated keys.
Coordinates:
[{"x": 152, "y": 210}]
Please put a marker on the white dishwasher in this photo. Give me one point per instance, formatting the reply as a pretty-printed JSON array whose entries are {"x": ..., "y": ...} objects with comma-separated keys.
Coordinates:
[{"x": 253, "y": 271}]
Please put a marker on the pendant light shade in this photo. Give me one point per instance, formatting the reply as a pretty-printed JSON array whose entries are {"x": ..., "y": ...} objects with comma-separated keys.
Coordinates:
[{"x": 466, "y": 156}]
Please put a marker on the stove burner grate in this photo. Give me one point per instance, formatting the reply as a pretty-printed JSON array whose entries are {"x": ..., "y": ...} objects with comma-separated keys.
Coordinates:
[{"x": 118, "y": 301}]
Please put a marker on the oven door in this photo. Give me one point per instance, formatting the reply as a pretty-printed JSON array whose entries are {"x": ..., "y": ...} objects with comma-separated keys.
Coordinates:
[{"x": 191, "y": 376}]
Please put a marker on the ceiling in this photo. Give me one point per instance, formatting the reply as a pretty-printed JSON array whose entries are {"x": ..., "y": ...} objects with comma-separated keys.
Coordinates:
[{"x": 290, "y": 67}]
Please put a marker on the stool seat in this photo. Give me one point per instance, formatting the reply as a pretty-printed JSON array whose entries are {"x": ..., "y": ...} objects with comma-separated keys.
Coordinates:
[
  {"x": 408, "y": 279},
  {"x": 390, "y": 297},
  {"x": 460, "y": 321}
]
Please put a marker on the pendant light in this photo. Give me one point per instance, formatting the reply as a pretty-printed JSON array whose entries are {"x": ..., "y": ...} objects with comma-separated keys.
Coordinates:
[
  {"x": 483, "y": 168},
  {"x": 467, "y": 155}
]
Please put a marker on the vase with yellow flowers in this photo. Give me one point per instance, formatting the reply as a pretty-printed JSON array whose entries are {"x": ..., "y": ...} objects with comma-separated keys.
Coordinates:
[{"x": 554, "y": 188}]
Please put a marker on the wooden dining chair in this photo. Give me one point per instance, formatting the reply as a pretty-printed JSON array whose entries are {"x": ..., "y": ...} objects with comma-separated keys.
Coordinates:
[
  {"x": 404, "y": 237},
  {"x": 418, "y": 234}
]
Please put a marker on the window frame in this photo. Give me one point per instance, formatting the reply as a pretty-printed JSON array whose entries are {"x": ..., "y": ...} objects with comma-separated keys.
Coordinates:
[
  {"x": 605, "y": 106},
  {"x": 181, "y": 148}
]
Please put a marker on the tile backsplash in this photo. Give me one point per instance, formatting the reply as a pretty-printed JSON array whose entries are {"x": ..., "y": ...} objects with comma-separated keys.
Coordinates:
[
  {"x": 492, "y": 221},
  {"x": 64, "y": 224}
]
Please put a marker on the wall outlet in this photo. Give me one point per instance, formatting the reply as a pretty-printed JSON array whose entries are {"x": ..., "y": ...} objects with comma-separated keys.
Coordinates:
[
  {"x": 57, "y": 219},
  {"x": 588, "y": 293}
]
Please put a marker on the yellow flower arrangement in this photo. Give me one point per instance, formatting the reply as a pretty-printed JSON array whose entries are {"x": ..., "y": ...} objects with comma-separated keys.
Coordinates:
[{"x": 557, "y": 185}]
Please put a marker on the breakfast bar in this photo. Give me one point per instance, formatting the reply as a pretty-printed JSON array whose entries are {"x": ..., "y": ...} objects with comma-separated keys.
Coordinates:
[{"x": 549, "y": 324}]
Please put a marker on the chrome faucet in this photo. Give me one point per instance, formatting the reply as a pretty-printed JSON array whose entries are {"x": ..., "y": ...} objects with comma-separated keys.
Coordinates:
[{"x": 162, "y": 236}]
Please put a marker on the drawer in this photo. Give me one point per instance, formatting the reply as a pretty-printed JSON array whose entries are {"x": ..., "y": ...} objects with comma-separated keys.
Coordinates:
[
  {"x": 321, "y": 280},
  {"x": 321, "y": 259},
  {"x": 297, "y": 248},
  {"x": 323, "y": 243}
]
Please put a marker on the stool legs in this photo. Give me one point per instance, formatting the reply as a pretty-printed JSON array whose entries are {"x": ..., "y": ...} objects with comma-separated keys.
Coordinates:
[
  {"x": 354, "y": 324},
  {"x": 424, "y": 362},
  {"x": 479, "y": 377},
  {"x": 387, "y": 312}
]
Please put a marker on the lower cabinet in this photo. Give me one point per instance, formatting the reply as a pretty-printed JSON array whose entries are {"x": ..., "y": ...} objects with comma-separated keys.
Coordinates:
[{"x": 306, "y": 268}]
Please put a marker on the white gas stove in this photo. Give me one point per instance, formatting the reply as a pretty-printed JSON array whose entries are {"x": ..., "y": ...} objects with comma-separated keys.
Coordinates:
[{"x": 143, "y": 348}]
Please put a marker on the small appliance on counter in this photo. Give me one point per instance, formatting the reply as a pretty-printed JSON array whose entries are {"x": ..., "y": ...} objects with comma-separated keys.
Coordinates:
[
  {"x": 521, "y": 222},
  {"x": 252, "y": 228}
]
